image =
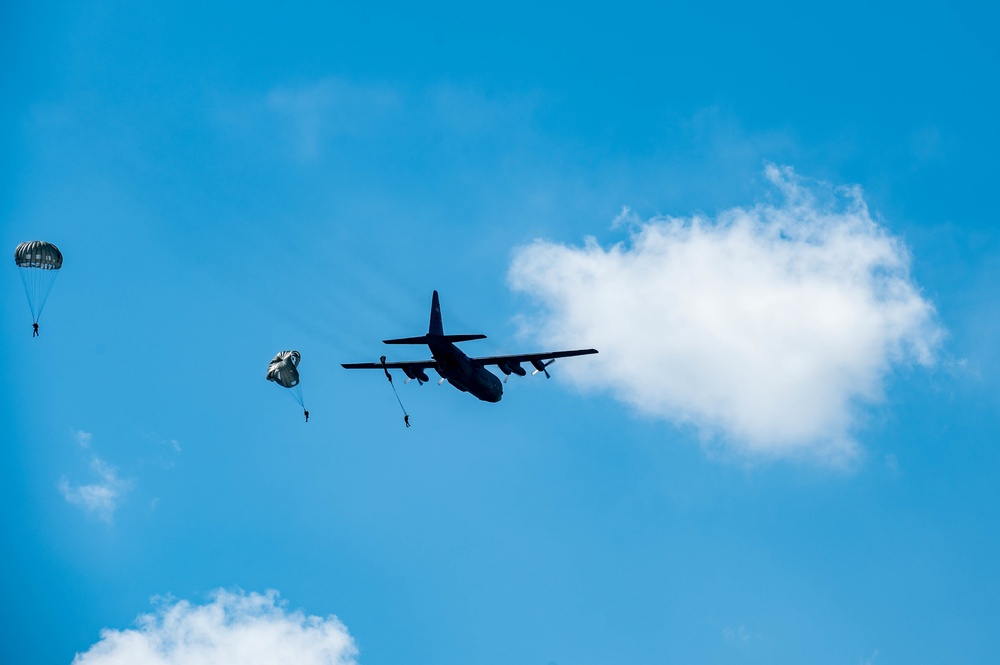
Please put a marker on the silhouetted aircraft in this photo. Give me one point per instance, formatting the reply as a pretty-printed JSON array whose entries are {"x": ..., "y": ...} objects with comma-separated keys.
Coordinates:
[{"x": 467, "y": 374}]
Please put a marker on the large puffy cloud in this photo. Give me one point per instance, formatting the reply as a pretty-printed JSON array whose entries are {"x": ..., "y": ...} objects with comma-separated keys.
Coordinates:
[
  {"x": 766, "y": 327},
  {"x": 235, "y": 628}
]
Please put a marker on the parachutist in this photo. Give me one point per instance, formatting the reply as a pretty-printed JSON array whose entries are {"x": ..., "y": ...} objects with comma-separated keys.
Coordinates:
[
  {"x": 38, "y": 263},
  {"x": 406, "y": 418},
  {"x": 283, "y": 371}
]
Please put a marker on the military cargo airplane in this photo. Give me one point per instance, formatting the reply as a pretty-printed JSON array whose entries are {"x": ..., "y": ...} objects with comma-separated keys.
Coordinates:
[{"x": 467, "y": 374}]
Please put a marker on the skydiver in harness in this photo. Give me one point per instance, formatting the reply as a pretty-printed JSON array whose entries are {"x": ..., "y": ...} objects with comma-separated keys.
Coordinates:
[
  {"x": 406, "y": 416},
  {"x": 34, "y": 329},
  {"x": 306, "y": 412}
]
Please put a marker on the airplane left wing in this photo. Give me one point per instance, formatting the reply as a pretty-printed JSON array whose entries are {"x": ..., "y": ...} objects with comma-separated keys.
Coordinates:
[{"x": 512, "y": 364}]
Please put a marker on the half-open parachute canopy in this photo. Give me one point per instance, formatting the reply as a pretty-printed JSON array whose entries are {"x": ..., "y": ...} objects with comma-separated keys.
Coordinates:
[
  {"x": 284, "y": 371},
  {"x": 38, "y": 263}
]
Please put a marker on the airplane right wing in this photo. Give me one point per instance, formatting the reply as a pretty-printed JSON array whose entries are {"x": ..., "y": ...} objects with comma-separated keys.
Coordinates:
[
  {"x": 403, "y": 365},
  {"x": 413, "y": 369}
]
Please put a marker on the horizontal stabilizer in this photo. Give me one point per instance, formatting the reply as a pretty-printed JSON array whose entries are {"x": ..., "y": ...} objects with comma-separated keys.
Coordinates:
[
  {"x": 407, "y": 340},
  {"x": 430, "y": 339},
  {"x": 458, "y": 338}
]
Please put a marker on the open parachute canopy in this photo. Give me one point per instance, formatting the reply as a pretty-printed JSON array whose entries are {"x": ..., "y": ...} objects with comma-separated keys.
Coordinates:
[
  {"x": 283, "y": 370},
  {"x": 38, "y": 263}
]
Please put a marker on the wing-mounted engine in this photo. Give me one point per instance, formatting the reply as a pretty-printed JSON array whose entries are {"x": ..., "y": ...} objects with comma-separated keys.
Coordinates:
[
  {"x": 415, "y": 373},
  {"x": 541, "y": 367},
  {"x": 509, "y": 368}
]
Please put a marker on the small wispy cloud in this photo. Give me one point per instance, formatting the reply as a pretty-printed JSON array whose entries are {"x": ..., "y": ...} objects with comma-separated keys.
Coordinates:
[
  {"x": 100, "y": 498},
  {"x": 83, "y": 438},
  {"x": 627, "y": 218},
  {"x": 332, "y": 107},
  {"x": 766, "y": 327},
  {"x": 157, "y": 440},
  {"x": 870, "y": 660},
  {"x": 738, "y": 635},
  {"x": 234, "y": 627},
  {"x": 311, "y": 121}
]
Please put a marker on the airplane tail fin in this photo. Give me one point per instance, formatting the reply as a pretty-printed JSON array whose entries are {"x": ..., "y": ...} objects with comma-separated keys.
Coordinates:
[
  {"x": 435, "y": 331},
  {"x": 436, "y": 327}
]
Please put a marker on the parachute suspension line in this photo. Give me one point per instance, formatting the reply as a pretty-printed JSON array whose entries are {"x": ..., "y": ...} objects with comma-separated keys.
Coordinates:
[
  {"x": 406, "y": 416},
  {"x": 28, "y": 292},
  {"x": 37, "y": 286},
  {"x": 296, "y": 395},
  {"x": 47, "y": 289}
]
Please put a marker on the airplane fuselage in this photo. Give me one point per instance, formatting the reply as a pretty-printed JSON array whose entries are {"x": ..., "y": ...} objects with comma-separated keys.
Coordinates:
[{"x": 460, "y": 371}]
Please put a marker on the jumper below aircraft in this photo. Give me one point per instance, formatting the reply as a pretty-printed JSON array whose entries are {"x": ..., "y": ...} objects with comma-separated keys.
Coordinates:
[{"x": 467, "y": 374}]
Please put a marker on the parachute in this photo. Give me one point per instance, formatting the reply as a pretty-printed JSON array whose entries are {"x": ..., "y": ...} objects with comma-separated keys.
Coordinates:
[
  {"x": 39, "y": 263},
  {"x": 283, "y": 370}
]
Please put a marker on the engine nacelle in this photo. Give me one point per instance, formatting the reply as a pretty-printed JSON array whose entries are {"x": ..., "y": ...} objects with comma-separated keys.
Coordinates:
[
  {"x": 540, "y": 367},
  {"x": 512, "y": 368},
  {"x": 416, "y": 373}
]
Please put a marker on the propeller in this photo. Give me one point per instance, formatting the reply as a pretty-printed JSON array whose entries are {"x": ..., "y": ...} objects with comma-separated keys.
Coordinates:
[{"x": 543, "y": 368}]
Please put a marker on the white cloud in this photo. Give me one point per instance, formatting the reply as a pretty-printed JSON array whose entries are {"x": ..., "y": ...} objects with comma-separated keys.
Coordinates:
[
  {"x": 768, "y": 325},
  {"x": 101, "y": 498},
  {"x": 235, "y": 628},
  {"x": 329, "y": 108},
  {"x": 740, "y": 635},
  {"x": 173, "y": 444},
  {"x": 83, "y": 438}
]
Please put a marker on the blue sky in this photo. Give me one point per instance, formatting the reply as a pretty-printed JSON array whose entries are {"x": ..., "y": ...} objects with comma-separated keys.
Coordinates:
[{"x": 776, "y": 223}]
